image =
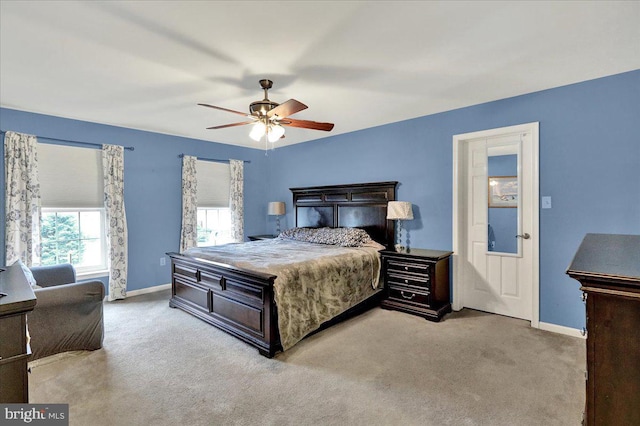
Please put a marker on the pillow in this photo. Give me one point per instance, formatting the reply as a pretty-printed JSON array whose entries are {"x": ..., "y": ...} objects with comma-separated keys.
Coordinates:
[
  {"x": 374, "y": 244},
  {"x": 299, "y": 234},
  {"x": 27, "y": 273},
  {"x": 344, "y": 237}
]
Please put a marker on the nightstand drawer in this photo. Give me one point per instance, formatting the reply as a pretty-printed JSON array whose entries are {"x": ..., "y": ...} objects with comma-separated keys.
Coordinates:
[
  {"x": 406, "y": 295},
  {"x": 408, "y": 280},
  {"x": 408, "y": 267}
]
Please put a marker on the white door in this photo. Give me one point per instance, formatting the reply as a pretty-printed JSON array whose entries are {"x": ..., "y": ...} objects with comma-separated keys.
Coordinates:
[{"x": 497, "y": 219}]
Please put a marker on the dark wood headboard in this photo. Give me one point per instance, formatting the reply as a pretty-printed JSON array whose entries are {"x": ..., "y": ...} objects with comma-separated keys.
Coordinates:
[{"x": 360, "y": 205}]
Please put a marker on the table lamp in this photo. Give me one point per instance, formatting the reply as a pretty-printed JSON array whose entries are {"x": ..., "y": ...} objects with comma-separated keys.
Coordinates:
[
  {"x": 399, "y": 210},
  {"x": 277, "y": 208}
]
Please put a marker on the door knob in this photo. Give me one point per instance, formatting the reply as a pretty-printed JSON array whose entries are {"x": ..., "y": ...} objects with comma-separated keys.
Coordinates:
[{"x": 524, "y": 236}]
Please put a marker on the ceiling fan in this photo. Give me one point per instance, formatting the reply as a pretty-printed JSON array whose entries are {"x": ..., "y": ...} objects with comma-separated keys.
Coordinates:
[{"x": 268, "y": 117}]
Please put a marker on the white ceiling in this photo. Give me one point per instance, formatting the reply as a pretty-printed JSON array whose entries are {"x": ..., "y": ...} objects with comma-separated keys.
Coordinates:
[{"x": 146, "y": 64}]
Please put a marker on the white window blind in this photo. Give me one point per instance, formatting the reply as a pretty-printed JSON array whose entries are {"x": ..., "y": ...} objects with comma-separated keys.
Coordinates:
[
  {"x": 214, "y": 180},
  {"x": 70, "y": 177}
]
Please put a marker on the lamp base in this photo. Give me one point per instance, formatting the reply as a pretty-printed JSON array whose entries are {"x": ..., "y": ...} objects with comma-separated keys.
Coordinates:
[{"x": 401, "y": 248}]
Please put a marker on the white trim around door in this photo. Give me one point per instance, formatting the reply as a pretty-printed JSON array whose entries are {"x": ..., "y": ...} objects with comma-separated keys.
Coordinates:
[{"x": 461, "y": 207}]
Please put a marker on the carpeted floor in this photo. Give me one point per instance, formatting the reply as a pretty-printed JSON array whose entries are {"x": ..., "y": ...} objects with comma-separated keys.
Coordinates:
[{"x": 160, "y": 366}]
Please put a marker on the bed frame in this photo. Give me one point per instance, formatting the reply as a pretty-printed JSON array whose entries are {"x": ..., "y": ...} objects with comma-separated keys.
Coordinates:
[{"x": 241, "y": 302}]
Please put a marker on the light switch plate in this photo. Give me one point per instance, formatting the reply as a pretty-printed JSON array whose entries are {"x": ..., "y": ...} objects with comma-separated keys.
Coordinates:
[{"x": 546, "y": 202}]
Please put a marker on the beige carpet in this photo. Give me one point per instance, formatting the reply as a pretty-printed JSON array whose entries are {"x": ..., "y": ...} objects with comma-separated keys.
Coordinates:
[{"x": 160, "y": 366}]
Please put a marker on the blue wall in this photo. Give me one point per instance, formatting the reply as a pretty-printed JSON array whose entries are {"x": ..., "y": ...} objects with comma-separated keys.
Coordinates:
[
  {"x": 589, "y": 165},
  {"x": 152, "y": 185}
]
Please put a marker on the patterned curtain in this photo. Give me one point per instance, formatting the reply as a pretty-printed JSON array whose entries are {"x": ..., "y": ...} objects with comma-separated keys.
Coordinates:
[
  {"x": 189, "y": 231},
  {"x": 113, "y": 168},
  {"x": 22, "y": 199},
  {"x": 236, "y": 206}
]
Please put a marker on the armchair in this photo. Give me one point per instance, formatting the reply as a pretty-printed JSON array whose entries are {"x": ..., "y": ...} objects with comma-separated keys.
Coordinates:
[{"x": 68, "y": 314}]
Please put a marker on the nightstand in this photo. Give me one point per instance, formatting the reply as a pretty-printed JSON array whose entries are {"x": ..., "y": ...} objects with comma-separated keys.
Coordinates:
[
  {"x": 417, "y": 282},
  {"x": 261, "y": 237}
]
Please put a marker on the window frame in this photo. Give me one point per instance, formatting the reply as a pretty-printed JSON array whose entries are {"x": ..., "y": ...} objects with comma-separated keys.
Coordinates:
[
  {"x": 205, "y": 209},
  {"x": 87, "y": 271}
]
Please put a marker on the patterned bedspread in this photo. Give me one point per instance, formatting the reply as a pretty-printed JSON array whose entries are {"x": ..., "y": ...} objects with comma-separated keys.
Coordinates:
[{"x": 315, "y": 282}]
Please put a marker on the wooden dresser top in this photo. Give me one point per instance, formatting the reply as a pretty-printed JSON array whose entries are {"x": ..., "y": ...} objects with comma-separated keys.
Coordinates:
[
  {"x": 20, "y": 296},
  {"x": 608, "y": 256}
]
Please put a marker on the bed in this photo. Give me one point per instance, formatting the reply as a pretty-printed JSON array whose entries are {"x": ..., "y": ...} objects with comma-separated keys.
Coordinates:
[{"x": 235, "y": 287}]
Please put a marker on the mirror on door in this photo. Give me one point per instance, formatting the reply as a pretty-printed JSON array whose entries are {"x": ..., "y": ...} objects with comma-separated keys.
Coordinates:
[{"x": 503, "y": 199}]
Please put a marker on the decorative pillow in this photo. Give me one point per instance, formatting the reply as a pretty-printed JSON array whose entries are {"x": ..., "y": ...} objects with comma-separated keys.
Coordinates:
[
  {"x": 299, "y": 234},
  {"x": 27, "y": 273},
  {"x": 344, "y": 237},
  {"x": 374, "y": 245}
]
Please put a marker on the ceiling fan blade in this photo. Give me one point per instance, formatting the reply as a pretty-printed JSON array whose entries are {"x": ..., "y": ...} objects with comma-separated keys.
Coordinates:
[
  {"x": 286, "y": 109},
  {"x": 231, "y": 125},
  {"x": 306, "y": 124},
  {"x": 225, "y": 109}
]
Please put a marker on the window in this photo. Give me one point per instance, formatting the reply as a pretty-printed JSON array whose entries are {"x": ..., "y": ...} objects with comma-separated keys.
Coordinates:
[
  {"x": 214, "y": 215},
  {"x": 214, "y": 226},
  {"x": 74, "y": 236},
  {"x": 73, "y": 217}
]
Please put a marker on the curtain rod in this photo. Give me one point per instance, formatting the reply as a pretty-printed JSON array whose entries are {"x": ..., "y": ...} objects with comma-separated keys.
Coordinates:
[
  {"x": 214, "y": 160},
  {"x": 97, "y": 145}
]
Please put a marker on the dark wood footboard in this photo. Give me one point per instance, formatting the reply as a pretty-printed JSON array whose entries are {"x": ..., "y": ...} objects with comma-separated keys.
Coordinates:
[{"x": 237, "y": 301}]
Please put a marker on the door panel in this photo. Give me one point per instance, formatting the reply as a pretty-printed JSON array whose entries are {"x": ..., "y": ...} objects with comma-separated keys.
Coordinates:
[
  {"x": 480, "y": 270},
  {"x": 509, "y": 277},
  {"x": 500, "y": 282}
]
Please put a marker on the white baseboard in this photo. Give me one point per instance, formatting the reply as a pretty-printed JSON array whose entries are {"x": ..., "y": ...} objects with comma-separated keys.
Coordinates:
[
  {"x": 145, "y": 290},
  {"x": 554, "y": 328}
]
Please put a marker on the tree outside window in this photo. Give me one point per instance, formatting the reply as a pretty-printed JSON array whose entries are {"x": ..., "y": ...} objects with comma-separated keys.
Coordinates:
[{"x": 73, "y": 236}]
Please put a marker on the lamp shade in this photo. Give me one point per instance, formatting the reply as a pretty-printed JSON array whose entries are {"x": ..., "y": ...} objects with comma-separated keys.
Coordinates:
[
  {"x": 399, "y": 210},
  {"x": 257, "y": 132},
  {"x": 276, "y": 131},
  {"x": 276, "y": 208}
]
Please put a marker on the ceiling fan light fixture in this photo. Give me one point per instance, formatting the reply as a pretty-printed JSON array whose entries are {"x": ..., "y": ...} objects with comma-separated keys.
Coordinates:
[
  {"x": 276, "y": 131},
  {"x": 268, "y": 117},
  {"x": 257, "y": 131}
]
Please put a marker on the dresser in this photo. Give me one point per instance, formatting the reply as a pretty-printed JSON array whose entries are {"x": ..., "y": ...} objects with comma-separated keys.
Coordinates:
[
  {"x": 14, "y": 347},
  {"x": 417, "y": 282},
  {"x": 608, "y": 269}
]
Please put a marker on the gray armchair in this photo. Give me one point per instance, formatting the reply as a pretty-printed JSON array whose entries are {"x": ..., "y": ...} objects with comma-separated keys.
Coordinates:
[{"x": 68, "y": 314}]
